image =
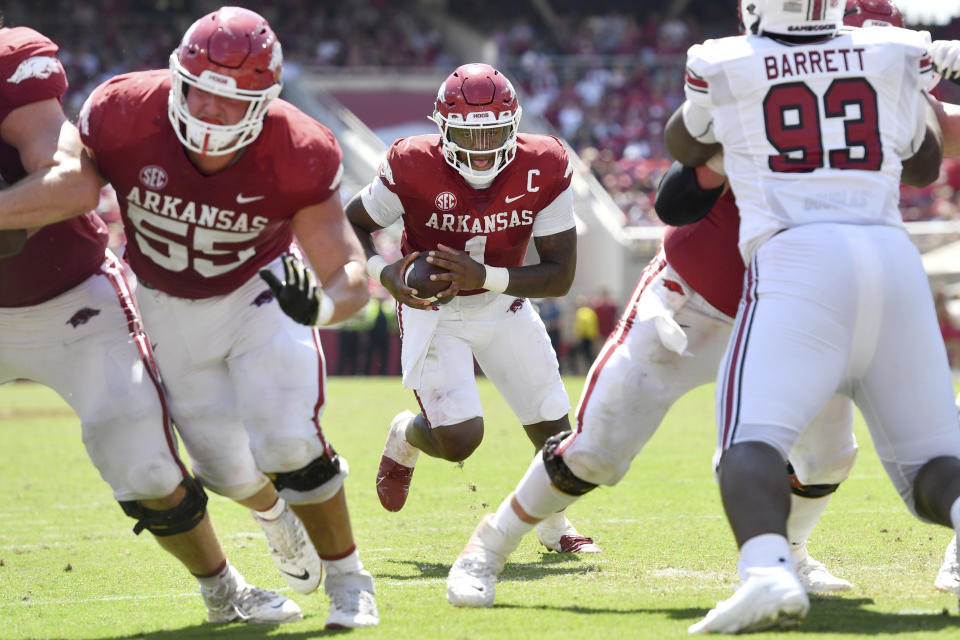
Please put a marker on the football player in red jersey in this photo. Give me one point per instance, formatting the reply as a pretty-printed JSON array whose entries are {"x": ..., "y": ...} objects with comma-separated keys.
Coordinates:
[
  {"x": 472, "y": 197},
  {"x": 215, "y": 175},
  {"x": 68, "y": 320}
]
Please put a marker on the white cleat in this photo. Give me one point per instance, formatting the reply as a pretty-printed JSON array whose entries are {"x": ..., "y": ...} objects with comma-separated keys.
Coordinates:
[
  {"x": 352, "y": 601},
  {"x": 233, "y": 600},
  {"x": 769, "y": 597},
  {"x": 948, "y": 578},
  {"x": 293, "y": 552},
  {"x": 472, "y": 580},
  {"x": 557, "y": 534},
  {"x": 816, "y": 578}
]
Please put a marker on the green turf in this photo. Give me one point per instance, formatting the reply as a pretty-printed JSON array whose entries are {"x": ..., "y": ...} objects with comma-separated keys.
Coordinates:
[{"x": 71, "y": 567}]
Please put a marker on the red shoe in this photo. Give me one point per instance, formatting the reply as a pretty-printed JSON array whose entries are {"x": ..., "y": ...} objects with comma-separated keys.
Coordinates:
[
  {"x": 396, "y": 464},
  {"x": 393, "y": 483},
  {"x": 557, "y": 534}
]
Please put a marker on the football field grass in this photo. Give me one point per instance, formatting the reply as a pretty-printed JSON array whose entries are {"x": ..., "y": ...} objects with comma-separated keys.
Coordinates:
[{"x": 71, "y": 568}]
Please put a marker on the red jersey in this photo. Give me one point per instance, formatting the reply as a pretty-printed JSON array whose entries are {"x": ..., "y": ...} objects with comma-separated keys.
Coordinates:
[
  {"x": 706, "y": 256},
  {"x": 494, "y": 224},
  {"x": 193, "y": 235},
  {"x": 60, "y": 256}
]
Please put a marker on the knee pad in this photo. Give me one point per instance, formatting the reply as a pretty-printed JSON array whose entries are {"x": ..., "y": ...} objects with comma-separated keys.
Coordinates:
[
  {"x": 316, "y": 482},
  {"x": 809, "y": 490},
  {"x": 560, "y": 474},
  {"x": 555, "y": 405},
  {"x": 180, "y": 519},
  {"x": 595, "y": 467}
]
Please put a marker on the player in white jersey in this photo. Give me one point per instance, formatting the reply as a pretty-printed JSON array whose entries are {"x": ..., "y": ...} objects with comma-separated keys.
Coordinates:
[
  {"x": 945, "y": 56},
  {"x": 815, "y": 137}
]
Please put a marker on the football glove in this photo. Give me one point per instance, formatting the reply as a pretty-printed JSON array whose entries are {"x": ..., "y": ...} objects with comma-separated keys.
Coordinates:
[
  {"x": 298, "y": 294},
  {"x": 945, "y": 56}
]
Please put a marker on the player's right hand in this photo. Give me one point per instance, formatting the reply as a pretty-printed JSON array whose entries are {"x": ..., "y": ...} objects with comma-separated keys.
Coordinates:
[
  {"x": 392, "y": 279},
  {"x": 945, "y": 56}
]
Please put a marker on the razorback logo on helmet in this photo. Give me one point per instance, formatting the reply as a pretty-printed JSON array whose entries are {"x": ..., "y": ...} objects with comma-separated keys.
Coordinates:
[
  {"x": 445, "y": 201},
  {"x": 39, "y": 67}
]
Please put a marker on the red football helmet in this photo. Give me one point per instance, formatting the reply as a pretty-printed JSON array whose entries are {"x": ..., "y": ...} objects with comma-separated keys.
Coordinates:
[
  {"x": 478, "y": 115},
  {"x": 233, "y": 53},
  {"x": 872, "y": 13}
]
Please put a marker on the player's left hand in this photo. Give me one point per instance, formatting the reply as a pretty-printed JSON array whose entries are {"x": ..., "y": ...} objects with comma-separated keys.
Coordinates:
[
  {"x": 464, "y": 272},
  {"x": 298, "y": 294},
  {"x": 945, "y": 55}
]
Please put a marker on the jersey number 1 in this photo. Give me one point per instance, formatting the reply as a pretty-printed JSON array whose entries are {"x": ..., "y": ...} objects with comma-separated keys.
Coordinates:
[{"x": 791, "y": 113}]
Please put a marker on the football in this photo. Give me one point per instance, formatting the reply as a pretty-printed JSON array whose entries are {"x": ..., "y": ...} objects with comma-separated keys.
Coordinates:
[{"x": 418, "y": 276}]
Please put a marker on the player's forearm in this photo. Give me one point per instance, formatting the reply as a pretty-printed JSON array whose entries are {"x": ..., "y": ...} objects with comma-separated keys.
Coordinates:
[
  {"x": 347, "y": 287},
  {"x": 544, "y": 280},
  {"x": 923, "y": 167},
  {"x": 949, "y": 118},
  {"x": 50, "y": 195}
]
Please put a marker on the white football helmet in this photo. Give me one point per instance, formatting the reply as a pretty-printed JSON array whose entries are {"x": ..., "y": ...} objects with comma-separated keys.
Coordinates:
[
  {"x": 233, "y": 53},
  {"x": 792, "y": 17}
]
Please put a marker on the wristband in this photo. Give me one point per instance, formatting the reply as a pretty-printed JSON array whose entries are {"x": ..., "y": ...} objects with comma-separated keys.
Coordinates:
[
  {"x": 325, "y": 308},
  {"x": 497, "y": 279},
  {"x": 375, "y": 266}
]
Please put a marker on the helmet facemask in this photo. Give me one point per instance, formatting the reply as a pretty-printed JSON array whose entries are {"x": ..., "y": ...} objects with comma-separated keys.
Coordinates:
[
  {"x": 479, "y": 137},
  {"x": 207, "y": 138}
]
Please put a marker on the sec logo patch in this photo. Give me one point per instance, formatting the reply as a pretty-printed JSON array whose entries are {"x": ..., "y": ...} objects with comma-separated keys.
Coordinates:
[
  {"x": 153, "y": 177},
  {"x": 446, "y": 201}
]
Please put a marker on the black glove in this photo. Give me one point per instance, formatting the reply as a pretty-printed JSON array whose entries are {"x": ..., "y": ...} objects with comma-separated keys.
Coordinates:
[{"x": 298, "y": 294}]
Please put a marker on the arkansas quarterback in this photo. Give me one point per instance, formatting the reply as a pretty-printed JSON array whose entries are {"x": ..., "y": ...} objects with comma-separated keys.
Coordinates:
[
  {"x": 472, "y": 197},
  {"x": 215, "y": 175}
]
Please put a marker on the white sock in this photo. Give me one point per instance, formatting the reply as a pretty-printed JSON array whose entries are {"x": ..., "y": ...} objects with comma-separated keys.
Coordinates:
[
  {"x": 348, "y": 564},
  {"x": 273, "y": 512},
  {"x": 537, "y": 495},
  {"x": 765, "y": 550},
  {"x": 210, "y": 582},
  {"x": 509, "y": 523},
  {"x": 805, "y": 513},
  {"x": 955, "y": 515}
]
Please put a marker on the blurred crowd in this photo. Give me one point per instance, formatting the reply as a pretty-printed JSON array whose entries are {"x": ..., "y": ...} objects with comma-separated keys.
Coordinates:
[{"x": 605, "y": 74}]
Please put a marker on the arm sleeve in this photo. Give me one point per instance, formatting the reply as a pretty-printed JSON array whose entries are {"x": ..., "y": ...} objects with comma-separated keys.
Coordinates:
[
  {"x": 383, "y": 205},
  {"x": 697, "y": 110},
  {"x": 556, "y": 216}
]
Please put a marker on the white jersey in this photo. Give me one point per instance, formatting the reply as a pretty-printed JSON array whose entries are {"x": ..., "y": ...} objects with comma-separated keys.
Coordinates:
[{"x": 848, "y": 109}]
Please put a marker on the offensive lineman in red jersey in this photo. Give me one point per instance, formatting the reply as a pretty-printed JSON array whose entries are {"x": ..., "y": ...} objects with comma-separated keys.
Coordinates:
[
  {"x": 68, "y": 320},
  {"x": 215, "y": 176},
  {"x": 473, "y": 196}
]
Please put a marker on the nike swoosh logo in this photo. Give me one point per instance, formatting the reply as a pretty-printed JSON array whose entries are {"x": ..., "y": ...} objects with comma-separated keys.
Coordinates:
[
  {"x": 242, "y": 199},
  {"x": 303, "y": 576},
  {"x": 508, "y": 199}
]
